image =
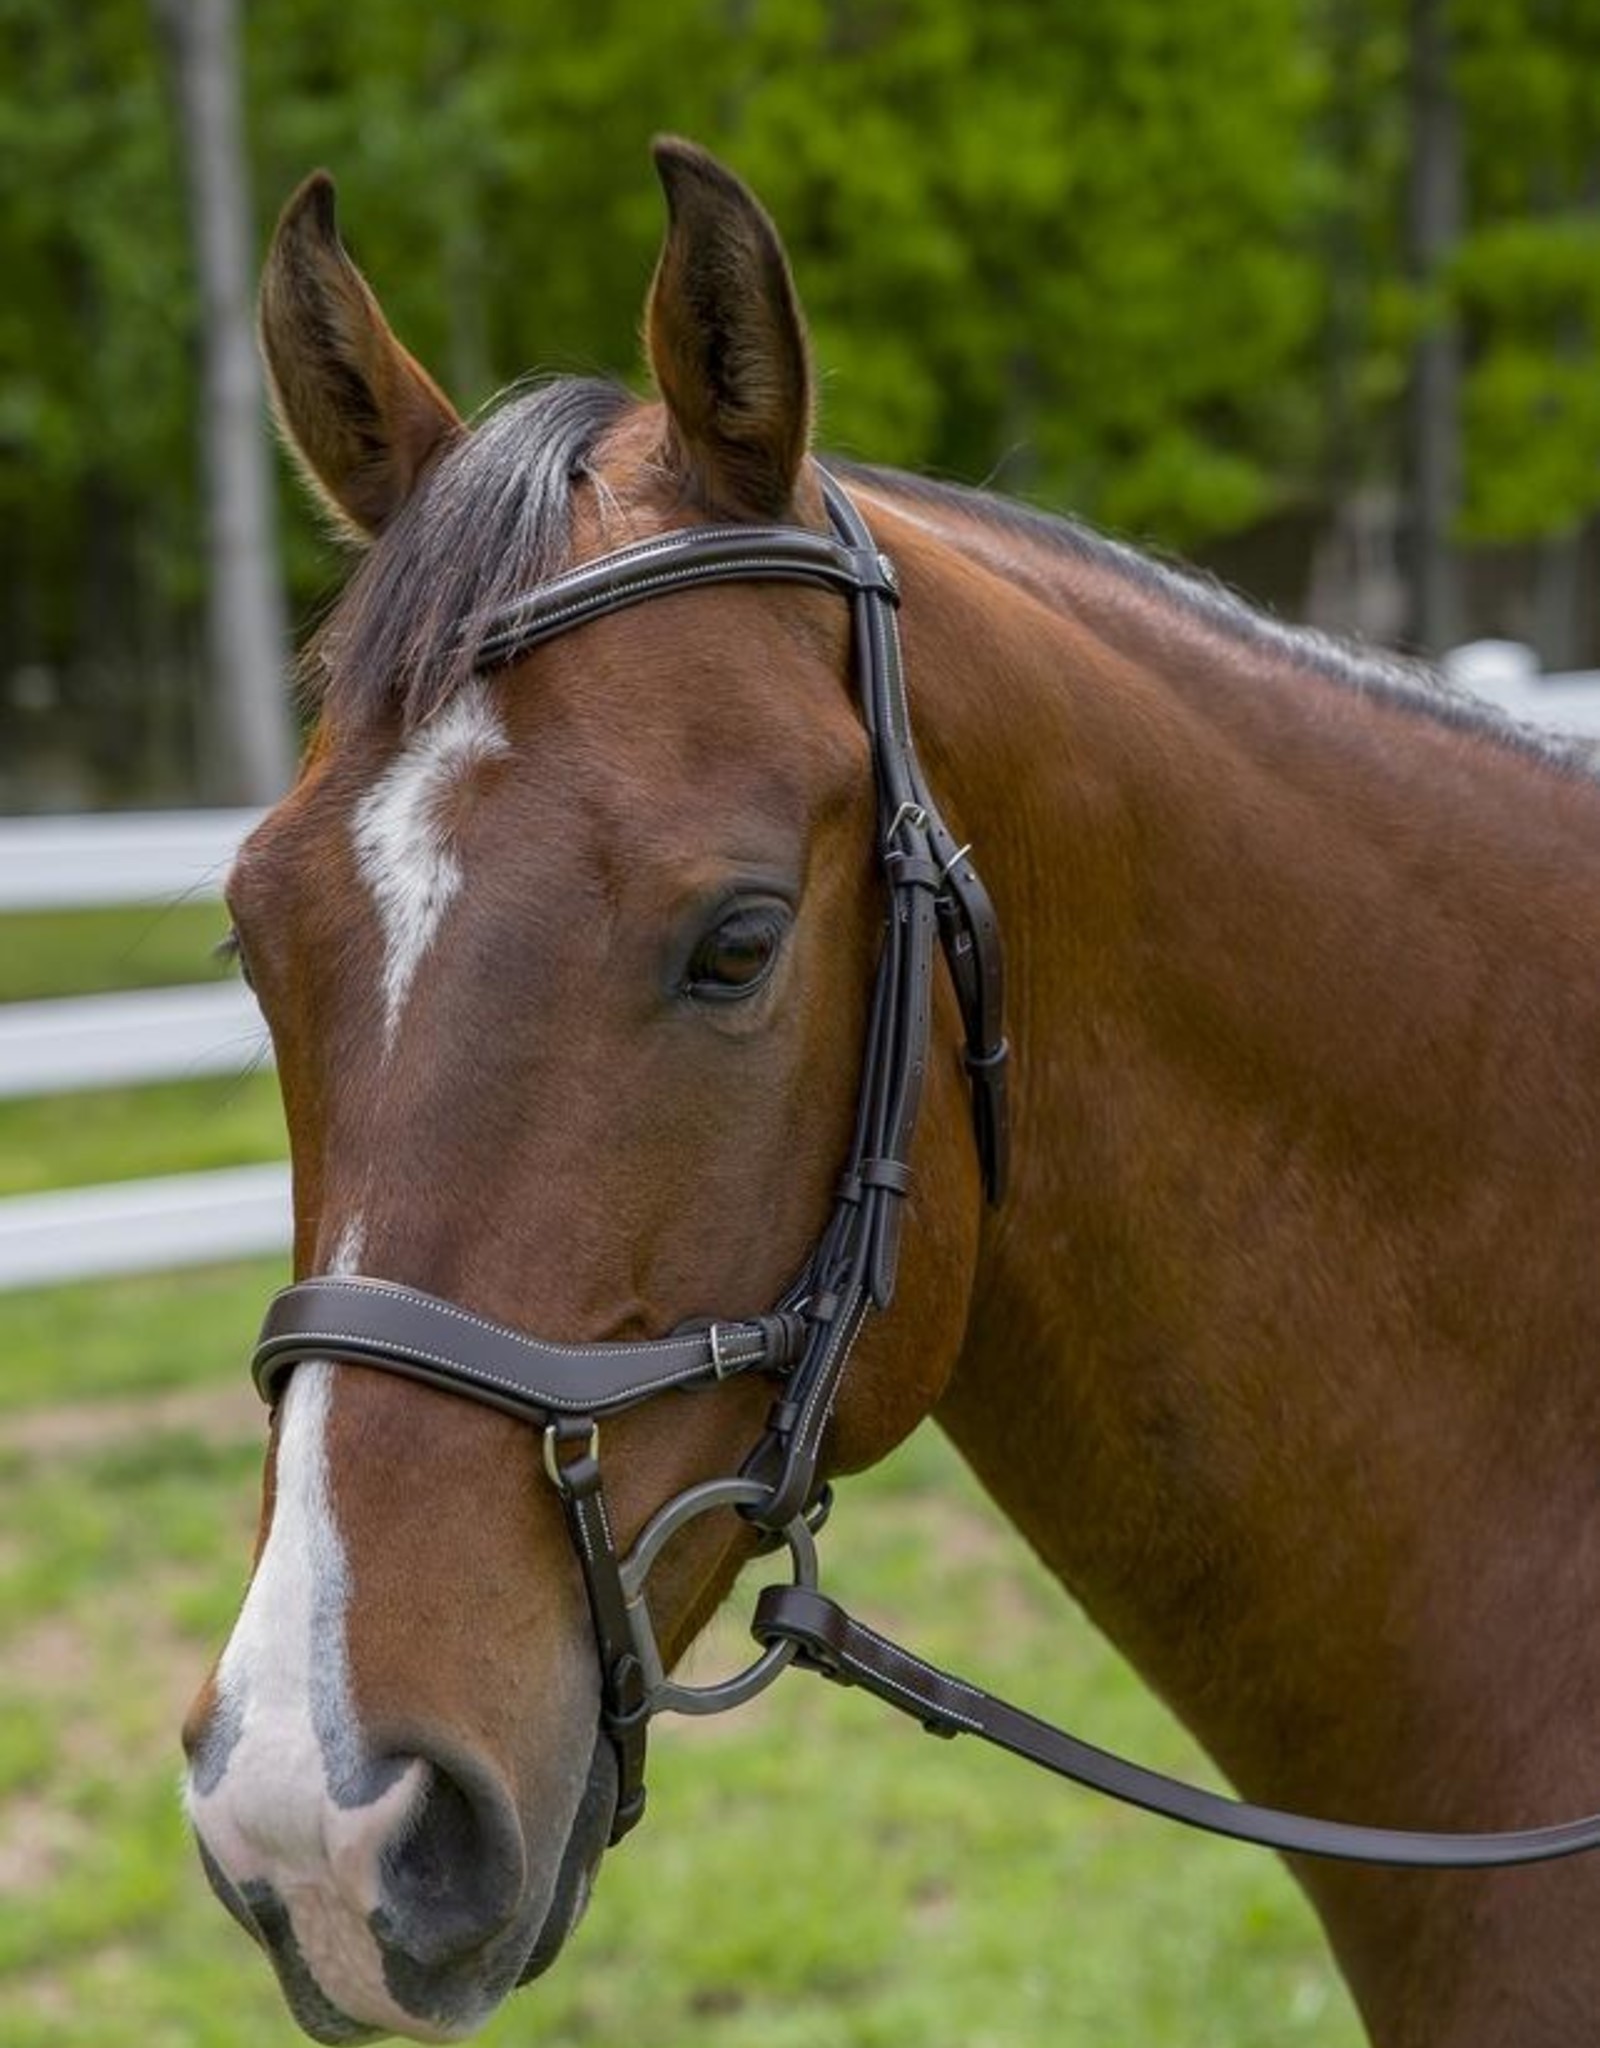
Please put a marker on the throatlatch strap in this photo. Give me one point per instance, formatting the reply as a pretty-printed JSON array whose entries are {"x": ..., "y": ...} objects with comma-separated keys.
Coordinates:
[{"x": 837, "y": 1646}]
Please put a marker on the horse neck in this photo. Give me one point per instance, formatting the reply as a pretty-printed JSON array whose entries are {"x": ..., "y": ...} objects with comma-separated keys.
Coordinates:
[{"x": 1283, "y": 1350}]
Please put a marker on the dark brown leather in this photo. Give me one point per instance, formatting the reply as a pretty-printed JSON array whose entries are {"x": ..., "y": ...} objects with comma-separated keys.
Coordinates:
[
  {"x": 676, "y": 561},
  {"x": 839, "y": 1647},
  {"x": 934, "y": 894},
  {"x": 402, "y": 1330},
  {"x": 572, "y": 1455}
]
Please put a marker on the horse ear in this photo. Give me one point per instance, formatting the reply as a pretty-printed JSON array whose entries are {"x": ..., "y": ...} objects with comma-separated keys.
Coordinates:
[
  {"x": 727, "y": 342},
  {"x": 363, "y": 417}
]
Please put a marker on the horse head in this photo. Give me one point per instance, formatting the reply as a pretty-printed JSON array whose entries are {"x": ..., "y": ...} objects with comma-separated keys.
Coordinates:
[{"x": 568, "y": 969}]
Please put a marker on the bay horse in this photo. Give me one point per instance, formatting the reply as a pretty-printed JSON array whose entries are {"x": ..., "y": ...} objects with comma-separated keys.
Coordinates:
[{"x": 1280, "y": 1348}]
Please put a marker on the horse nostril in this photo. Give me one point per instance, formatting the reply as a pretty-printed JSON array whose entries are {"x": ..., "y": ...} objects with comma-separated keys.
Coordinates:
[{"x": 453, "y": 1876}]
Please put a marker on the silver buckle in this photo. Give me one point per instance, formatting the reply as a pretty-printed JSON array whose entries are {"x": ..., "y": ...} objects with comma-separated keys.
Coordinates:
[
  {"x": 552, "y": 1453},
  {"x": 909, "y": 813},
  {"x": 722, "y": 1364}
]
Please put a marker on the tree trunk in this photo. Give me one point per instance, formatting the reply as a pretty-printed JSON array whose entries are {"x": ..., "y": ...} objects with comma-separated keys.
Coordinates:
[
  {"x": 1436, "y": 208},
  {"x": 246, "y": 635}
]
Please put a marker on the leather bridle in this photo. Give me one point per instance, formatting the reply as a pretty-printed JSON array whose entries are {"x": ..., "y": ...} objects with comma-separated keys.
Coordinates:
[{"x": 936, "y": 902}]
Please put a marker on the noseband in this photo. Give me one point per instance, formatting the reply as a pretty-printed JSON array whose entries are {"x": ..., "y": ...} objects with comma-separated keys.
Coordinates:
[{"x": 936, "y": 902}]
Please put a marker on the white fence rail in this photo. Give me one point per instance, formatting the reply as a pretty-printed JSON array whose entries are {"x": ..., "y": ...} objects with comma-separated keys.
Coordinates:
[
  {"x": 188, "y": 1219},
  {"x": 101, "y": 1041},
  {"x": 1507, "y": 674},
  {"x": 159, "y": 1034},
  {"x": 140, "y": 857},
  {"x": 158, "y": 858}
]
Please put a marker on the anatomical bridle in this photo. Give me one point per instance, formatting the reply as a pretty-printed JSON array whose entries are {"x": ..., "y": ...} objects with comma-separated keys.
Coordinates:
[{"x": 935, "y": 902}]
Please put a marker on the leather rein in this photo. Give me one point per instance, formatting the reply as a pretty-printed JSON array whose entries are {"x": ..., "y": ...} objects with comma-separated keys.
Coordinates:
[{"x": 936, "y": 903}]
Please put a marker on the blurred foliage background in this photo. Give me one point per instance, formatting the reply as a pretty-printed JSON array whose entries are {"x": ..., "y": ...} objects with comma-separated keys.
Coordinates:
[{"x": 1308, "y": 288}]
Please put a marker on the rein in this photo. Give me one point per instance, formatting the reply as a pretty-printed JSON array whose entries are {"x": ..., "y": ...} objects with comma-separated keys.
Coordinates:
[{"x": 936, "y": 903}]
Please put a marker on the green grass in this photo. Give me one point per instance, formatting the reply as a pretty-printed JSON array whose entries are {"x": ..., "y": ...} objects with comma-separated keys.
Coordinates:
[
  {"x": 141, "y": 1335},
  {"x": 107, "y": 1134},
  {"x": 82, "y": 952},
  {"x": 813, "y": 1871}
]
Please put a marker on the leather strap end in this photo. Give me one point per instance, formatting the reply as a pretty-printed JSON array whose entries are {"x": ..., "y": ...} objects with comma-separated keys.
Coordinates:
[{"x": 987, "y": 1073}]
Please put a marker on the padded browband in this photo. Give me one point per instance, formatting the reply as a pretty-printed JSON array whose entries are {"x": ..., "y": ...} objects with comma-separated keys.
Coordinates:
[
  {"x": 415, "y": 1334},
  {"x": 671, "y": 561},
  {"x": 857, "y": 569}
]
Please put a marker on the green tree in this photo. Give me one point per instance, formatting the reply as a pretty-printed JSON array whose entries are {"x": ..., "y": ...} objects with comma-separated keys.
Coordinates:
[{"x": 1142, "y": 261}]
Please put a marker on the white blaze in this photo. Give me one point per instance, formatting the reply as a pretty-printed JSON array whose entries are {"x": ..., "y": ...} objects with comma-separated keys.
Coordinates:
[
  {"x": 280, "y": 1801},
  {"x": 402, "y": 837},
  {"x": 264, "y": 1818},
  {"x": 274, "y": 1813}
]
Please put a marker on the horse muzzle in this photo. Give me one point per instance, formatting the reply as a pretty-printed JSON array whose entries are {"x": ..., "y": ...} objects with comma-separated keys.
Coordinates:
[{"x": 415, "y": 1913}]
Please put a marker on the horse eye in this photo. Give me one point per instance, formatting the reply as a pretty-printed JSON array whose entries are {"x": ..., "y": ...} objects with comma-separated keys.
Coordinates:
[
  {"x": 736, "y": 958},
  {"x": 232, "y": 950}
]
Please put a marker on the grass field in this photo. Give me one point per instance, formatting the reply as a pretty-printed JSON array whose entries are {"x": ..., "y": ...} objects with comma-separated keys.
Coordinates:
[
  {"x": 77, "y": 952},
  {"x": 813, "y": 1870}
]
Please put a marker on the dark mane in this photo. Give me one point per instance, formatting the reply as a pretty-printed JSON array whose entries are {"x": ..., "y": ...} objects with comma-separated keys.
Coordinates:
[
  {"x": 1413, "y": 684},
  {"x": 492, "y": 518}
]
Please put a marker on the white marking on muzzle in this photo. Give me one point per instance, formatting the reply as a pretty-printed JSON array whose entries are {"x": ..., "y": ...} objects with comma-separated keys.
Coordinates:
[
  {"x": 402, "y": 839},
  {"x": 280, "y": 1811},
  {"x": 283, "y": 1682}
]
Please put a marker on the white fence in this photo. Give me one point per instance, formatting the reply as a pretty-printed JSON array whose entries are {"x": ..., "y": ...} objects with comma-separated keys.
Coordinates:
[
  {"x": 159, "y": 1034},
  {"x": 154, "y": 857},
  {"x": 1507, "y": 674},
  {"x": 104, "y": 1041},
  {"x": 183, "y": 1219}
]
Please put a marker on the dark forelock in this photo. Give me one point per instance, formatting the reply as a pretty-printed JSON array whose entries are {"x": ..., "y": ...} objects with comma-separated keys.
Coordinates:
[{"x": 492, "y": 518}]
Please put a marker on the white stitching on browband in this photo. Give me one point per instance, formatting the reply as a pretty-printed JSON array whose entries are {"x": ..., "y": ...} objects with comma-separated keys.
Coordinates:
[
  {"x": 673, "y": 543},
  {"x": 600, "y": 601},
  {"x": 546, "y": 603},
  {"x": 669, "y": 544},
  {"x": 430, "y": 1305}
]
